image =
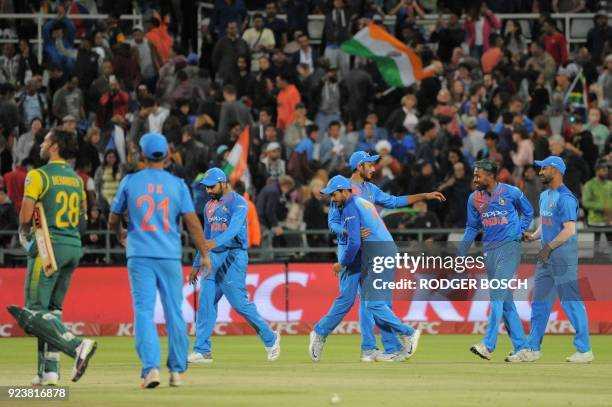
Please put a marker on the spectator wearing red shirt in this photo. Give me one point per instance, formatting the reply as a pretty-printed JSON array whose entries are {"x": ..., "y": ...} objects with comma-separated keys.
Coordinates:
[
  {"x": 14, "y": 181},
  {"x": 112, "y": 103},
  {"x": 555, "y": 43}
]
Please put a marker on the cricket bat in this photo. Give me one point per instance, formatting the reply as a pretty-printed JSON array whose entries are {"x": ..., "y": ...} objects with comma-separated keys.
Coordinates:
[{"x": 43, "y": 241}]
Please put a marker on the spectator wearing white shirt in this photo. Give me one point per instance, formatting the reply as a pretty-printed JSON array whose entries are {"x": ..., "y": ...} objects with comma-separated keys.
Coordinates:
[
  {"x": 523, "y": 156},
  {"x": 259, "y": 39}
]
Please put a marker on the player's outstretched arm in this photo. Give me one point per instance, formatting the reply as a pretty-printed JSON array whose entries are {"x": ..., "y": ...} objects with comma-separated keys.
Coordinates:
[
  {"x": 197, "y": 234},
  {"x": 427, "y": 196}
]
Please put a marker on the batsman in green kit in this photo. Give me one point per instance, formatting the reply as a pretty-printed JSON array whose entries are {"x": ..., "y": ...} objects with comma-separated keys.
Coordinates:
[{"x": 60, "y": 191}]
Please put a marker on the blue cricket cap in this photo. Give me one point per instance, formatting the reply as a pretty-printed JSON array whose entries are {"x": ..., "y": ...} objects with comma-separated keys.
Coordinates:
[
  {"x": 154, "y": 146},
  {"x": 552, "y": 161},
  {"x": 336, "y": 183},
  {"x": 213, "y": 176},
  {"x": 360, "y": 157}
]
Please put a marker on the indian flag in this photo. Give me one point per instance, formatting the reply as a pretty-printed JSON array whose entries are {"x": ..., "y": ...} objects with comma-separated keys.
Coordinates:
[
  {"x": 236, "y": 164},
  {"x": 399, "y": 65}
]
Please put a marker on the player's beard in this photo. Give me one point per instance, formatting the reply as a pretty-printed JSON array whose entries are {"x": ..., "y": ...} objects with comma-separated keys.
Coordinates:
[
  {"x": 215, "y": 197},
  {"x": 545, "y": 180}
]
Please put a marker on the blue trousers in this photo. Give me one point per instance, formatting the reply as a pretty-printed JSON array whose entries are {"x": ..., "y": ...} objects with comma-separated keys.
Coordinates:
[
  {"x": 147, "y": 276},
  {"x": 349, "y": 287},
  {"x": 559, "y": 275},
  {"x": 502, "y": 263},
  {"x": 228, "y": 277}
]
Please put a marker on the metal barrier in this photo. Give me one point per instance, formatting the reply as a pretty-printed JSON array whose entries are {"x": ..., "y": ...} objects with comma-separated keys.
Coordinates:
[
  {"x": 42, "y": 18},
  {"x": 268, "y": 252},
  {"x": 574, "y": 25}
]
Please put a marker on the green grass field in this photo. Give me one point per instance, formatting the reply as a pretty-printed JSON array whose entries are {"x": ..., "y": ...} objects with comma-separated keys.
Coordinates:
[{"x": 443, "y": 372}]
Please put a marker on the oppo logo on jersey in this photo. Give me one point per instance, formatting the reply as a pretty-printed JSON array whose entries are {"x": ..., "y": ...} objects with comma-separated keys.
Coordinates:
[
  {"x": 494, "y": 218},
  {"x": 217, "y": 219},
  {"x": 547, "y": 220},
  {"x": 547, "y": 213}
]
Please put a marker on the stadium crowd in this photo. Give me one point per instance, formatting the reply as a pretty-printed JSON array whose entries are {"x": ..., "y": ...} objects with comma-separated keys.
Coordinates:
[{"x": 307, "y": 107}]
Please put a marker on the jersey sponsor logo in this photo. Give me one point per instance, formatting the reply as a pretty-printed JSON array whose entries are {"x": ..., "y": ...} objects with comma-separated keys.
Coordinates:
[
  {"x": 349, "y": 218},
  {"x": 217, "y": 219},
  {"x": 546, "y": 212},
  {"x": 546, "y": 220},
  {"x": 491, "y": 214},
  {"x": 218, "y": 227},
  {"x": 494, "y": 218}
]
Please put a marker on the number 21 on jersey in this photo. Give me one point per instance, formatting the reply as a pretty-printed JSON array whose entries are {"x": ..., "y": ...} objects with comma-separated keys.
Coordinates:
[{"x": 147, "y": 202}]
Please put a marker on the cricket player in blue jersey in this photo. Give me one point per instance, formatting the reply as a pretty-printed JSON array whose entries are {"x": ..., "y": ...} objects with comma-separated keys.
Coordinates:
[
  {"x": 557, "y": 267},
  {"x": 362, "y": 165},
  {"x": 357, "y": 214},
  {"x": 225, "y": 231},
  {"x": 494, "y": 208},
  {"x": 155, "y": 200}
]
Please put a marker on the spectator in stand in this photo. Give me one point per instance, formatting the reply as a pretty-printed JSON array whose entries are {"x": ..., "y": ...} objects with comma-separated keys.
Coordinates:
[
  {"x": 226, "y": 52},
  {"x": 8, "y": 217},
  {"x": 367, "y": 139},
  {"x": 107, "y": 179},
  {"x": 269, "y": 205},
  {"x": 23, "y": 145},
  {"x": 296, "y": 131},
  {"x": 96, "y": 222},
  {"x": 32, "y": 104},
  {"x": 457, "y": 189},
  {"x": 87, "y": 64},
  {"x": 226, "y": 11},
  {"x": 271, "y": 164},
  {"x": 100, "y": 86},
  {"x": 193, "y": 153},
  {"x": 387, "y": 168},
  {"x": 299, "y": 165},
  {"x": 532, "y": 187},
  {"x": 14, "y": 182},
  {"x": 112, "y": 103},
  {"x": 147, "y": 56},
  {"x": 232, "y": 111},
  {"x": 10, "y": 65},
  {"x": 315, "y": 214},
  {"x": 306, "y": 54},
  {"x": 157, "y": 34},
  {"x": 252, "y": 219},
  {"x": 405, "y": 116},
  {"x": 597, "y": 198},
  {"x": 286, "y": 101},
  {"x": 555, "y": 43},
  {"x": 541, "y": 61},
  {"x": 88, "y": 182},
  {"x": 479, "y": 24},
  {"x": 513, "y": 37},
  {"x": 125, "y": 66},
  {"x": 259, "y": 39},
  {"x": 425, "y": 150},
  {"x": 58, "y": 40},
  {"x": 30, "y": 66},
  {"x": 523, "y": 156},
  {"x": 474, "y": 140},
  {"x": 449, "y": 35},
  {"x": 337, "y": 29},
  {"x": 69, "y": 100},
  {"x": 600, "y": 131},
  {"x": 541, "y": 131},
  {"x": 277, "y": 25},
  {"x": 598, "y": 35},
  {"x": 577, "y": 171},
  {"x": 334, "y": 146},
  {"x": 402, "y": 144},
  {"x": 328, "y": 97}
]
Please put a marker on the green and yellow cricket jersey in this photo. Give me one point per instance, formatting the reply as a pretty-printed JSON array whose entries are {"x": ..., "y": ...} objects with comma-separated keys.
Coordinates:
[{"x": 61, "y": 192}]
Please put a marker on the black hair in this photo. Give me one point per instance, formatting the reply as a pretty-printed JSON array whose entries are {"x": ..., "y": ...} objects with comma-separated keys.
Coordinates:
[
  {"x": 66, "y": 142},
  {"x": 116, "y": 164},
  {"x": 425, "y": 126},
  {"x": 182, "y": 75},
  {"x": 147, "y": 101},
  {"x": 229, "y": 88},
  {"x": 311, "y": 128},
  {"x": 487, "y": 165},
  {"x": 333, "y": 123},
  {"x": 522, "y": 131}
]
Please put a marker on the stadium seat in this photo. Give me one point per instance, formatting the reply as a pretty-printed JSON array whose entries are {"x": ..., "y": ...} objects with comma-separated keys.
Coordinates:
[
  {"x": 580, "y": 27},
  {"x": 316, "y": 26}
]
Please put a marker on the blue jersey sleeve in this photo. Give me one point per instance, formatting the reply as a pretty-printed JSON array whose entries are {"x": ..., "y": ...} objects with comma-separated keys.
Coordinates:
[
  {"x": 472, "y": 227},
  {"x": 522, "y": 204},
  {"x": 186, "y": 201},
  {"x": 351, "y": 219},
  {"x": 239, "y": 214},
  {"x": 567, "y": 208},
  {"x": 388, "y": 201},
  {"x": 119, "y": 204},
  {"x": 333, "y": 220}
]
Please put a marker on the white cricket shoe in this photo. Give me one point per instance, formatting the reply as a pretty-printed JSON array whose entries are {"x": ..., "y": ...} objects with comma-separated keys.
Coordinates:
[
  {"x": 369, "y": 355},
  {"x": 315, "y": 347},
  {"x": 84, "y": 352},
  {"x": 47, "y": 379},
  {"x": 581, "y": 357},
  {"x": 175, "y": 379},
  {"x": 481, "y": 350},
  {"x": 410, "y": 344},
  {"x": 274, "y": 350},
  {"x": 196, "y": 357},
  {"x": 516, "y": 357},
  {"x": 151, "y": 380},
  {"x": 387, "y": 357}
]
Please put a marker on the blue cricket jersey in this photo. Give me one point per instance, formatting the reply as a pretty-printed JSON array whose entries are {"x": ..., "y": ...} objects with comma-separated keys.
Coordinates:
[
  {"x": 225, "y": 223},
  {"x": 358, "y": 213},
  {"x": 557, "y": 206},
  {"x": 369, "y": 192},
  {"x": 497, "y": 214},
  {"x": 155, "y": 200}
]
